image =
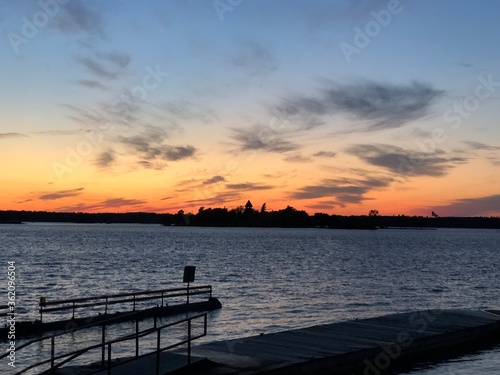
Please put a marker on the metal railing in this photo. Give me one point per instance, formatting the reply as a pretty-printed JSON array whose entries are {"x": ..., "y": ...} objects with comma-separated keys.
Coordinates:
[
  {"x": 125, "y": 298},
  {"x": 106, "y": 347},
  {"x": 4, "y": 310},
  {"x": 103, "y": 324}
]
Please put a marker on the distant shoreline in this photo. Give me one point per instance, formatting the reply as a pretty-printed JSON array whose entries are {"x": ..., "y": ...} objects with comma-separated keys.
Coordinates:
[{"x": 287, "y": 218}]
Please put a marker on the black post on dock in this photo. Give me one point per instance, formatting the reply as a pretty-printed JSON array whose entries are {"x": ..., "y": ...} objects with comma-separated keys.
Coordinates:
[
  {"x": 103, "y": 334},
  {"x": 42, "y": 304},
  {"x": 188, "y": 278}
]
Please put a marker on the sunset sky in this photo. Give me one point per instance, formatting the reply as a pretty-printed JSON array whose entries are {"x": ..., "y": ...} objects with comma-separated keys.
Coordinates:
[{"x": 327, "y": 106}]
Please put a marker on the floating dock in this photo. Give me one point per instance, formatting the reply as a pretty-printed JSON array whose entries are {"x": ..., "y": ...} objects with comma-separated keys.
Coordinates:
[
  {"x": 126, "y": 306},
  {"x": 373, "y": 346},
  {"x": 368, "y": 346}
]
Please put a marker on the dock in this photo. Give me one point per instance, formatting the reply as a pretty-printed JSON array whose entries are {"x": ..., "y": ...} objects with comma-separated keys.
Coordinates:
[
  {"x": 372, "y": 346},
  {"x": 69, "y": 314},
  {"x": 369, "y": 346}
]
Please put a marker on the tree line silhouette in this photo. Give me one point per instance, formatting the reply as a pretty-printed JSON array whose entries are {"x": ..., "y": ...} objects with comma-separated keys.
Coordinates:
[{"x": 247, "y": 216}]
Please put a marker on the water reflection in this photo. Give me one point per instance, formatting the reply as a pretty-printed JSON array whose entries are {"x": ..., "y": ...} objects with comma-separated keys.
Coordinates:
[{"x": 485, "y": 362}]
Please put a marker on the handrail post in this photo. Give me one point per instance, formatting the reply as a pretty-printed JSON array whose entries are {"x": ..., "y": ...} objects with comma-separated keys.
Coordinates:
[
  {"x": 106, "y": 307},
  {"x": 109, "y": 359},
  {"x": 136, "y": 337},
  {"x": 205, "y": 324},
  {"x": 103, "y": 344},
  {"x": 162, "y": 298},
  {"x": 73, "y": 310},
  {"x": 134, "y": 304},
  {"x": 210, "y": 291},
  {"x": 52, "y": 355},
  {"x": 189, "y": 341},
  {"x": 158, "y": 340}
]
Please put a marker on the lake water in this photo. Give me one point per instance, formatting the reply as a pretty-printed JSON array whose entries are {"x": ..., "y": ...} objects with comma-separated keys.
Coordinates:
[{"x": 266, "y": 279}]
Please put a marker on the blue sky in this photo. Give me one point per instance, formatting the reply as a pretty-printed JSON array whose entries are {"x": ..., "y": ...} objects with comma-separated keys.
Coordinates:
[{"x": 259, "y": 96}]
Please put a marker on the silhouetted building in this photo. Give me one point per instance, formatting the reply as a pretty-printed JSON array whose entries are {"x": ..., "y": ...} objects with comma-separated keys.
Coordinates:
[{"x": 249, "y": 205}]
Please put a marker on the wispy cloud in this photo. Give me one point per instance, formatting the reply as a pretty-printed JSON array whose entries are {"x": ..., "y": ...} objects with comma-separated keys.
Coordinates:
[
  {"x": 184, "y": 110},
  {"x": 481, "y": 146},
  {"x": 149, "y": 145},
  {"x": 298, "y": 158},
  {"x": 96, "y": 68},
  {"x": 325, "y": 154},
  {"x": 219, "y": 199},
  {"x": 119, "y": 59},
  {"x": 12, "y": 135},
  {"x": 78, "y": 17},
  {"x": 105, "y": 159},
  {"x": 342, "y": 191},
  {"x": 465, "y": 65},
  {"x": 174, "y": 153},
  {"x": 259, "y": 137},
  {"x": 256, "y": 59},
  {"x": 401, "y": 161},
  {"x": 214, "y": 180},
  {"x": 26, "y": 201},
  {"x": 377, "y": 105},
  {"x": 103, "y": 205},
  {"x": 167, "y": 198},
  {"x": 248, "y": 186},
  {"x": 61, "y": 132},
  {"x": 61, "y": 194},
  {"x": 491, "y": 153},
  {"x": 325, "y": 205},
  {"x": 482, "y": 206},
  {"x": 91, "y": 84}
]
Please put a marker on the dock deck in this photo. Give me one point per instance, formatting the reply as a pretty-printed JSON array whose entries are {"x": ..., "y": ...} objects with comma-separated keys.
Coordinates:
[{"x": 366, "y": 346}]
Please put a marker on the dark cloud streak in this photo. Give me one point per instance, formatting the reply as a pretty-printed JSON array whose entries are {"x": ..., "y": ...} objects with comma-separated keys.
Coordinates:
[
  {"x": 248, "y": 186},
  {"x": 12, "y": 135},
  {"x": 96, "y": 68},
  {"x": 78, "y": 18},
  {"x": 343, "y": 191},
  {"x": 105, "y": 159},
  {"x": 399, "y": 160},
  {"x": 214, "y": 180},
  {"x": 262, "y": 138},
  {"x": 471, "y": 206},
  {"x": 380, "y": 105},
  {"x": 61, "y": 194},
  {"x": 107, "y": 204},
  {"x": 256, "y": 59},
  {"x": 91, "y": 84}
]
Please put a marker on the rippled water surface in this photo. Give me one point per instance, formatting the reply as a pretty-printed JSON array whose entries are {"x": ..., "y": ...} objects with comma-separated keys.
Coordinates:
[{"x": 267, "y": 279}]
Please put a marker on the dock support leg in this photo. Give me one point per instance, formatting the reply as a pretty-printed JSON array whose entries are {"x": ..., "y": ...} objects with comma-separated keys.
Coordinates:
[
  {"x": 52, "y": 355},
  {"x": 103, "y": 346},
  {"x": 109, "y": 359},
  {"x": 158, "y": 340},
  {"x": 136, "y": 337},
  {"x": 189, "y": 342}
]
